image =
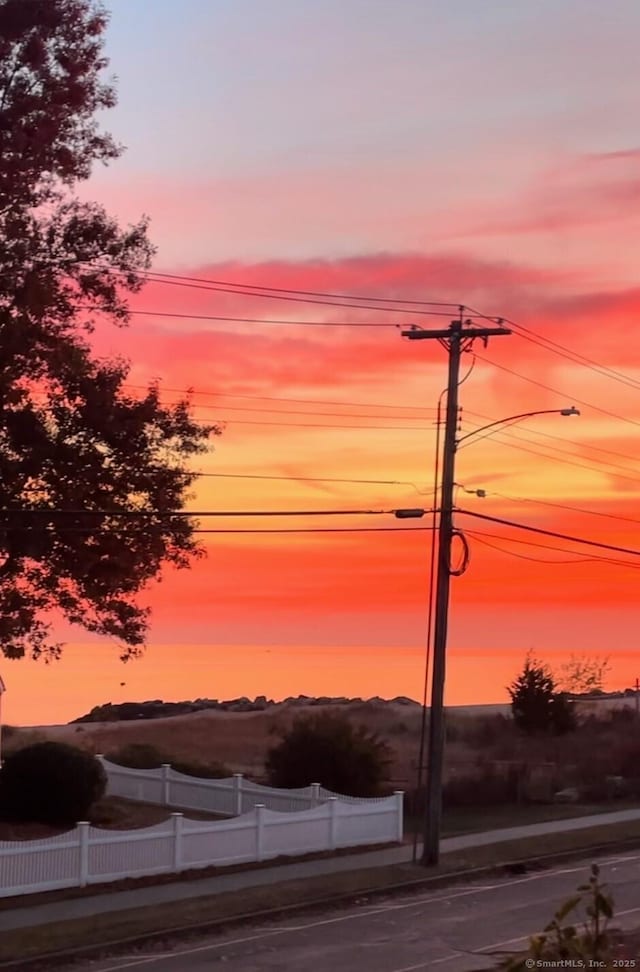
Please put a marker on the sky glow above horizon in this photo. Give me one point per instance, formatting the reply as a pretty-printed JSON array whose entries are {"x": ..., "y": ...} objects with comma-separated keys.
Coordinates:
[{"x": 481, "y": 153}]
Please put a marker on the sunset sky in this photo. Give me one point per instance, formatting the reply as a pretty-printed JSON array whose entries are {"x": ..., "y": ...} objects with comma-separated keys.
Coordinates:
[{"x": 484, "y": 154}]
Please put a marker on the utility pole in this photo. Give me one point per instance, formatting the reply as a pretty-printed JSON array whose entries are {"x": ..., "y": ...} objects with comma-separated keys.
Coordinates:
[
  {"x": 637, "y": 699},
  {"x": 457, "y": 338}
]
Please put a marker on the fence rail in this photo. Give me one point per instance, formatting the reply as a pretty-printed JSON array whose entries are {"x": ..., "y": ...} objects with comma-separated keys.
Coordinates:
[
  {"x": 230, "y": 797},
  {"x": 90, "y": 855}
]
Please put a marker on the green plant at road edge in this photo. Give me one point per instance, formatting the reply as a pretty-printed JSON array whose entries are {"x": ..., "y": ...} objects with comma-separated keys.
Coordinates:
[{"x": 559, "y": 941}]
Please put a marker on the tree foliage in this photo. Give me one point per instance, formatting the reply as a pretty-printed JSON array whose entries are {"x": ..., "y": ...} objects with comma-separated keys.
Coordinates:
[
  {"x": 536, "y": 704},
  {"x": 72, "y": 438},
  {"x": 330, "y": 750},
  {"x": 50, "y": 782},
  {"x": 583, "y": 674}
]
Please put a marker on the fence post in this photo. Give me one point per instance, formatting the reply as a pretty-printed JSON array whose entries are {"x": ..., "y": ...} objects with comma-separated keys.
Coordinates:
[
  {"x": 259, "y": 809},
  {"x": 166, "y": 783},
  {"x": 333, "y": 822},
  {"x": 399, "y": 795},
  {"x": 315, "y": 794},
  {"x": 177, "y": 841},
  {"x": 237, "y": 794},
  {"x": 83, "y": 839}
]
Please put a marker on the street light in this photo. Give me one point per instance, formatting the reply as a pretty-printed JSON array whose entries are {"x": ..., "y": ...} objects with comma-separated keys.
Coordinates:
[
  {"x": 431, "y": 848},
  {"x": 571, "y": 410}
]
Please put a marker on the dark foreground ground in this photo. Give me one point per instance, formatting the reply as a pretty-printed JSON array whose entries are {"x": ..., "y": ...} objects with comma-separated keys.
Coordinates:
[{"x": 455, "y": 930}]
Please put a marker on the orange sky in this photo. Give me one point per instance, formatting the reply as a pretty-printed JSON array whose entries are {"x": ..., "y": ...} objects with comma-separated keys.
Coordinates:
[{"x": 534, "y": 218}]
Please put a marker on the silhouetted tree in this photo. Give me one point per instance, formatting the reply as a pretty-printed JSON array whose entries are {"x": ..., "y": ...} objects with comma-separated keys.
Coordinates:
[
  {"x": 328, "y": 749},
  {"x": 536, "y": 704},
  {"x": 583, "y": 674},
  {"x": 71, "y": 437}
]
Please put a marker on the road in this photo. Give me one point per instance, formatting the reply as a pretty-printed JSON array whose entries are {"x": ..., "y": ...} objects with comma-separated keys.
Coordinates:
[{"x": 452, "y": 929}]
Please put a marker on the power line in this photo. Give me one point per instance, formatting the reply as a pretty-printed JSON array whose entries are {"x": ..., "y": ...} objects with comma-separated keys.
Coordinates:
[
  {"x": 550, "y": 533},
  {"x": 477, "y": 535},
  {"x": 283, "y": 411},
  {"x": 295, "y": 299},
  {"x": 250, "y": 320},
  {"x": 294, "y": 401},
  {"x": 249, "y": 530},
  {"x": 307, "y": 293},
  {"x": 563, "y": 351},
  {"x": 561, "y": 438},
  {"x": 320, "y": 425},
  {"x": 53, "y": 511},
  {"x": 562, "y": 506},
  {"x": 311, "y": 479},
  {"x": 555, "y": 348},
  {"x": 327, "y": 530},
  {"x": 568, "y": 457},
  {"x": 556, "y": 391}
]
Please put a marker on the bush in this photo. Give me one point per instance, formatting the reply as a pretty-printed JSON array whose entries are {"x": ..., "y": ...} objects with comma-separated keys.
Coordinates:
[
  {"x": 329, "y": 749},
  {"x": 146, "y": 756},
  {"x": 489, "y": 789},
  {"x": 204, "y": 771},
  {"x": 137, "y": 756},
  {"x": 562, "y": 945},
  {"x": 50, "y": 783}
]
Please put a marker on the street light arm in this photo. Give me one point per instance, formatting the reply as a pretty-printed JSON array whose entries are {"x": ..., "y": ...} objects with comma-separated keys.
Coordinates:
[{"x": 515, "y": 418}]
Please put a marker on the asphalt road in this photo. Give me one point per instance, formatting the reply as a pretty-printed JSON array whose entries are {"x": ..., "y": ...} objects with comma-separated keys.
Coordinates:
[{"x": 451, "y": 929}]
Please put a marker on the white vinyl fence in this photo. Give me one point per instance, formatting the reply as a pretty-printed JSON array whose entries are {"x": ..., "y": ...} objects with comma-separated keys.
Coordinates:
[
  {"x": 230, "y": 797},
  {"x": 89, "y": 855}
]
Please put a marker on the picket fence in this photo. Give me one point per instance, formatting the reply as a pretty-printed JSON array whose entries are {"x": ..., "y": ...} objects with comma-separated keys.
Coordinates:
[
  {"x": 231, "y": 796},
  {"x": 90, "y": 855}
]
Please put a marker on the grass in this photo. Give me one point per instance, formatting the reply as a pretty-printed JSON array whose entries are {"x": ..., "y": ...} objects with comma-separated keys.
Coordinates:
[
  {"x": 110, "y": 813},
  {"x": 166, "y": 922},
  {"x": 471, "y": 820}
]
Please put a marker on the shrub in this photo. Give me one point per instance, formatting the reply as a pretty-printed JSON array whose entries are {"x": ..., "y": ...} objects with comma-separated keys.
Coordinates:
[
  {"x": 563, "y": 946},
  {"x": 137, "y": 756},
  {"x": 146, "y": 756},
  {"x": 204, "y": 771},
  {"x": 486, "y": 790},
  {"x": 51, "y": 783},
  {"x": 328, "y": 749}
]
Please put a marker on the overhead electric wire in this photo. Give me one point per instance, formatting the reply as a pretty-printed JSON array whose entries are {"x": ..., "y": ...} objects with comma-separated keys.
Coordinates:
[
  {"x": 477, "y": 535},
  {"x": 275, "y": 530},
  {"x": 549, "y": 533},
  {"x": 560, "y": 506},
  {"x": 576, "y": 358},
  {"x": 311, "y": 479},
  {"x": 309, "y": 293},
  {"x": 296, "y": 299},
  {"x": 289, "y": 411},
  {"x": 556, "y": 391},
  {"x": 57, "y": 511},
  {"x": 293, "y": 401},
  {"x": 562, "y": 438},
  {"x": 563, "y": 351},
  {"x": 562, "y": 452},
  {"x": 318, "y": 425},
  {"x": 254, "y": 320}
]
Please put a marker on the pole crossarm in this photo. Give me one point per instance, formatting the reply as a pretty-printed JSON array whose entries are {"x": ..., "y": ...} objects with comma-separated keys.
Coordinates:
[{"x": 417, "y": 334}]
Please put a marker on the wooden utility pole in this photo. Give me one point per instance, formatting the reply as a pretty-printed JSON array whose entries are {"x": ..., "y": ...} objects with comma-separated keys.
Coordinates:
[{"x": 457, "y": 338}]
